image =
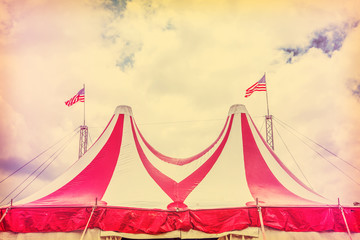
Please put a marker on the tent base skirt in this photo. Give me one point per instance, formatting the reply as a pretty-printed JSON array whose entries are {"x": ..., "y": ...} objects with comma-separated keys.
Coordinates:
[{"x": 97, "y": 234}]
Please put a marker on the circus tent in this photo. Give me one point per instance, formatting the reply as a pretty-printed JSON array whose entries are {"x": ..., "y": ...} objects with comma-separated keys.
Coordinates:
[{"x": 123, "y": 187}]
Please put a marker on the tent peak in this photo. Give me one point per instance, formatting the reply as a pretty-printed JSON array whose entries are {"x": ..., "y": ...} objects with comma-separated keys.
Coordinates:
[
  {"x": 237, "y": 108},
  {"x": 123, "y": 109}
]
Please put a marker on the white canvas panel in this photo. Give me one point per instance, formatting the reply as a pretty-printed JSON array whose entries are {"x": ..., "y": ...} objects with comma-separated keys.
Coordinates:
[
  {"x": 131, "y": 185},
  {"x": 225, "y": 185}
]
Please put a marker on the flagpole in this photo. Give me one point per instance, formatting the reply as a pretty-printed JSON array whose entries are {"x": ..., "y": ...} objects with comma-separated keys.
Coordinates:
[
  {"x": 267, "y": 99},
  {"x": 83, "y": 134},
  {"x": 262, "y": 86},
  {"x": 84, "y": 103}
]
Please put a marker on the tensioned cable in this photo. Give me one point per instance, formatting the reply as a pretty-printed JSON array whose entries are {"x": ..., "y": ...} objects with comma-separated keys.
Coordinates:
[
  {"x": 41, "y": 171},
  {"x": 262, "y": 125},
  {"x": 60, "y": 150},
  {"x": 38, "y": 156},
  {"x": 91, "y": 141},
  {"x": 292, "y": 156},
  {"x": 339, "y": 169},
  {"x": 76, "y": 160},
  {"x": 320, "y": 146}
]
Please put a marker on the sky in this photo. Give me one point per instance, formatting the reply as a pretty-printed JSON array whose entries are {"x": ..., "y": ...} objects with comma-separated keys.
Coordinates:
[{"x": 180, "y": 65}]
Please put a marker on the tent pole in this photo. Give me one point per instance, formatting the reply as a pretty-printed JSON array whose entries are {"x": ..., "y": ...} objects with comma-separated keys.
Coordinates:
[
  {"x": 261, "y": 219},
  {"x": 87, "y": 224},
  {"x": 7, "y": 210},
  {"x": 343, "y": 215},
  {"x": 3, "y": 216}
]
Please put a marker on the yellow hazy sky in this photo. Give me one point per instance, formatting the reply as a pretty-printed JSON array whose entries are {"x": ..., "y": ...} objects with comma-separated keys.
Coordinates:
[{"x": 180, "y": 65}]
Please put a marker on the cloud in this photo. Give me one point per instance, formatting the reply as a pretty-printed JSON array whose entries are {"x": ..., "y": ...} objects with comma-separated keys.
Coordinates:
[
  {"x": 115, "y": 6},
  {"x": 6, "y": 22},
  {"x": 169, "y": 26},
  {"x": 127, "y": 57},
  {"x": 13, "y": 130},
  {"x": 354, "y": 87},
  {"x": 328, "y": 40},
  {"x": 125, "y": 62}
]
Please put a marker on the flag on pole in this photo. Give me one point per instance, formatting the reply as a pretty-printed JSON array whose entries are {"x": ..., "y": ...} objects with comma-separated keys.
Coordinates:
[
  {"x": 80, "y": 96},
  {"x": 258, "y": 86}
]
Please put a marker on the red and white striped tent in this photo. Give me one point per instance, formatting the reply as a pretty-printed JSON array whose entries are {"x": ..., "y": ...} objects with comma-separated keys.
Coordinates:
[{"x": 123, "y": 187}]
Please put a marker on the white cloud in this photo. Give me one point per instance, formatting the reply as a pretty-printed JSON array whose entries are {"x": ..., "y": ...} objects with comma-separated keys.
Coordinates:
[{"x": 13, "y": 133}]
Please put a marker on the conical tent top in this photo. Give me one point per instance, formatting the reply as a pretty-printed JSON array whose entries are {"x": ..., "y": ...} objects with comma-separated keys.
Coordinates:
[
  {"x": 123, "y": 109},
  {"x": 237, "y": 108}
]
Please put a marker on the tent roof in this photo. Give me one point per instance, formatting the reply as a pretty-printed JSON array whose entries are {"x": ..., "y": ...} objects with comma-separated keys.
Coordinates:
[{"x": 123, "y": 169}]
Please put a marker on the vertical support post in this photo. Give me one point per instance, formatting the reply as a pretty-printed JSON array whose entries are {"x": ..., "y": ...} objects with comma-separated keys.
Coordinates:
[
  {"x": 261, "y": 219},
  {"x": 6, "y": 211},
  {"x": 3, "y": 216},
  {"x": 343, "y": 215},
  {"x": 83, "y": 140},
  {"x": 269, "y": 131},
  {"x": 88, "y": 222}
]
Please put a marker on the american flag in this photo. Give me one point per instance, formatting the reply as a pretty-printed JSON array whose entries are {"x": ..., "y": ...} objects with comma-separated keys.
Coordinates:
[
  {"x": 258, "y": 86},
  {"x": 80, "y": 96}
]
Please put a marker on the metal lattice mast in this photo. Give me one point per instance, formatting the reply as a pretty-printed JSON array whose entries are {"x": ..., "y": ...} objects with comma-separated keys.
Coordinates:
[
  {"x": 269, "y": 123},
  {"x": 269, "y": 131},
  {"x": 83, "y": 135},
  {"x": 83, "y": 140}
]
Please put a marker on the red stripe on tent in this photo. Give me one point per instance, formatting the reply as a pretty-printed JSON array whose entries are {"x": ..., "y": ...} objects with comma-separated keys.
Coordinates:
[
  {"x": 150, "y": 221},
  {"x": 282, "y": 165},
  {"x": 102, "y": 132},
  {"x": 180, "y": 161},
  {"x": 261, "y": 181},
  {"x": 92, "y": 182},
  {"x": 178, "y": 192}
]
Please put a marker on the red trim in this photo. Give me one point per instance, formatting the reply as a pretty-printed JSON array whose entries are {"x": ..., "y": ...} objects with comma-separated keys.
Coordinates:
[
  {"x": 180, "y": 161},
  {"x": 178, "y": 192},
  {"x": 149, "y": 221},
  {"x": 91, "y": 183},
  {"x": 261, "y": 181}
]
